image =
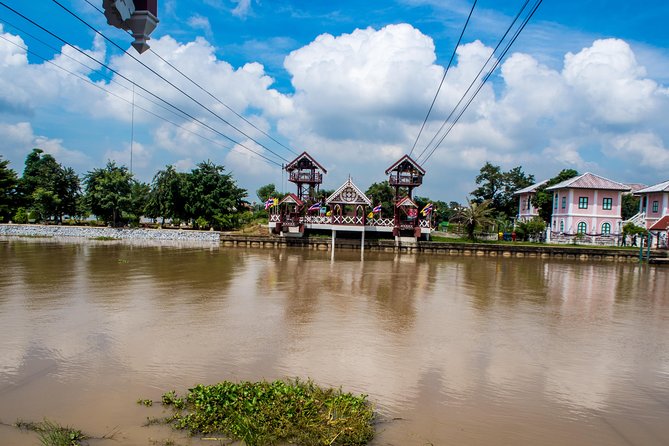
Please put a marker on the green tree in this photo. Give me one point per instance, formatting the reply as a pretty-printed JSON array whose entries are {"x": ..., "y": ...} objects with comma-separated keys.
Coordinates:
[
  {"x": 382, "y": 193},
  {"x": 499, "y": 186},
  {"x": 49, "y": 189},
  {"x": 543, "y": 200},
  {"x": 629, "y": 206},
  {"x": 139, "y": 198},
  {"x": 531, "y": 229},
  {"x": 473, "y": 216},
  {"x": 214, "y": 199},
  {"x": 266, "y": 192},
  {"x": 167, "y": 198},
  {"x": 108, "y": 192},
  {"x": 8, "y": 191}
]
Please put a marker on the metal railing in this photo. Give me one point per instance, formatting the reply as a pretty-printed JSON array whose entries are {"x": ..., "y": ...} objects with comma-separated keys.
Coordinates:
[{"x": 405, "y": 180}]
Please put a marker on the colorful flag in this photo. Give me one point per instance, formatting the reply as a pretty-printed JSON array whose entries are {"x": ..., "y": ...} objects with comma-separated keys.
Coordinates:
[
  {"x": 269, "y": 203},
  {"x": 314, "y": 207},
  {"x": 376, "y": 209},
  {"x": 370, "y": 215},
  {"x": 426, "y": 210}
]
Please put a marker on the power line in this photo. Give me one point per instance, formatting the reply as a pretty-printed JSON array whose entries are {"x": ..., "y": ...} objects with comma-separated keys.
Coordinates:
[
  {"x": 109, "y": 92},
  {"x": 443, "y": 78},
  {"x": 485, "y": 79},
  {"x": 492, "y": 54},
  {"x": 208, "y": 92},
  {"x": 136, "y": 84},
  {"x": 166, "y": 80}
]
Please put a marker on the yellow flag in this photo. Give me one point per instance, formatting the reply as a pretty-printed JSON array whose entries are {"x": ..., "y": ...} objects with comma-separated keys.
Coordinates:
[{"x": 370, "y": 215}]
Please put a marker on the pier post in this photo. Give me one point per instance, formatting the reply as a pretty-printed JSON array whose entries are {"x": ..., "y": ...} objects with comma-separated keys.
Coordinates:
[
  {"x": 334, "y": 237},
  {"x": 362, "y": 245}
]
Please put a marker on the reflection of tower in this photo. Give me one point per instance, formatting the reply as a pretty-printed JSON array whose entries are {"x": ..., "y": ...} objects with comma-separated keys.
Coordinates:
[
  {"x": 307, "y": 174},
  {"x": 405, "y": 175}
]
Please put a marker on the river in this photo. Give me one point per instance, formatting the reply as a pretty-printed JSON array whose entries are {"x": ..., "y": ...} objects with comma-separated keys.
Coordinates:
[{"x": 451, "y": 350}]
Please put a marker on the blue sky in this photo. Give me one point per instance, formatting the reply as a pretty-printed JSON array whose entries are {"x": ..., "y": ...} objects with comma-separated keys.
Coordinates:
[{"x": 585, "y": 86}]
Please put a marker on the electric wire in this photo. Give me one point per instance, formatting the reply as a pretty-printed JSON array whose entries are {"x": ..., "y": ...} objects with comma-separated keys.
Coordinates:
[
  {"x": 443, "y": 78},
  {"x": 207, "y": 91},
  {"x": 190, "y": 116},
  {"x": 92, "y": 28},
  {"x": 477, "y": 77},
  {"x": 485, "y": 79},
  {"x": 111, "y": 93}
]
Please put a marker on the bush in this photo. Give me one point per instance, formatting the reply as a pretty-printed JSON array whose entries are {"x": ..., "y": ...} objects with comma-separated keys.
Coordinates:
[{"x": 21, "y": 216}]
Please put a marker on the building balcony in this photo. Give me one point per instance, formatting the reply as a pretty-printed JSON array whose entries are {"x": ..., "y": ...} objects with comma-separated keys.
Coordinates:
[
  {"x": 405, "y": 180},
  {"x": 306, "y": 177}
]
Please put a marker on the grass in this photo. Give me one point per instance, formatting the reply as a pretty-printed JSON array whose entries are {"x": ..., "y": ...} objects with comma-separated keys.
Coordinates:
[
  {"x": 104, "y": 238},
  {"x": 440, "y": 239},
  {"x": 53, "y": 434},
  {"x": 268, "y": 413}
]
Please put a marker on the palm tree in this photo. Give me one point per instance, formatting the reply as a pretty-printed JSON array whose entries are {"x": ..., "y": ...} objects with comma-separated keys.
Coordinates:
[{"x": 474, "y": 215}]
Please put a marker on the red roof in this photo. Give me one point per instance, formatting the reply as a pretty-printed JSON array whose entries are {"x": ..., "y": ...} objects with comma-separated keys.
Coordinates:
[
  {"x": 408, "y": 159},
  {"x": 292, "y": 198},
  {"x": 660, "y": 225},
  {"x": 292, "y": 165}
]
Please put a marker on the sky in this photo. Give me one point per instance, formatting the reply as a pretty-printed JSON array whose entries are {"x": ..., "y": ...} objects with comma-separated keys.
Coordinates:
[{"x": 584, "y": 86}]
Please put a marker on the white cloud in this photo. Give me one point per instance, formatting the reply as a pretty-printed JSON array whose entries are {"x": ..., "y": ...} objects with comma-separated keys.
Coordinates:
[
  {"x": 138, "y": 153},
  {"x": 200, "y": 22},
  {"x": 646, "y": 149},
  {"x": 19, "y": 139},
  {"x": 242, "y": 9}
]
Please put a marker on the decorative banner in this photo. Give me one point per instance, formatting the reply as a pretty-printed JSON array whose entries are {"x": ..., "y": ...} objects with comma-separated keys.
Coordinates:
[
  {"x": 376, "y": 209},
  {"x": 314, "y": 207}
]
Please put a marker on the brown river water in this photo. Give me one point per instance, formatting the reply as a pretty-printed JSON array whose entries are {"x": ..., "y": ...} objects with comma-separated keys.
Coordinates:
[{"x": 451, "y": 350}]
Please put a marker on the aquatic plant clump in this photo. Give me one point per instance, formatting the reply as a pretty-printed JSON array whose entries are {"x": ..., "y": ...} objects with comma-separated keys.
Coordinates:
[{"x": 268, "y": 413}]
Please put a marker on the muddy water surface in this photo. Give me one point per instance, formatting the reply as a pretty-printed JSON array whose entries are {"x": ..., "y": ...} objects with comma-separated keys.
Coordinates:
[{"x": 452, "y": 351}]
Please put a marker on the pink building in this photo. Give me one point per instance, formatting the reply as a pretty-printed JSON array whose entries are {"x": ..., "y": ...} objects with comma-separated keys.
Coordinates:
[
  {"x": 526, "y": 210},
  {"x": 587, "y": 204},
  {"x": 654, "y": 203}
]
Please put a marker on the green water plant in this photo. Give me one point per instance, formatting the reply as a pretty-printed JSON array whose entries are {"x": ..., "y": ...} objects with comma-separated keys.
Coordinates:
[
  {"x": 278, "y": 412},
  {"x": 53, "y": 434}
]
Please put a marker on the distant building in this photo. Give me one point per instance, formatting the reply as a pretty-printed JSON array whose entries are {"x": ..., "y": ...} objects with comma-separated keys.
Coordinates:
[
  {"x": 654, "y": 210},
  {"x": 589, "y": 205},
  {"x": 526, "y": 210}
]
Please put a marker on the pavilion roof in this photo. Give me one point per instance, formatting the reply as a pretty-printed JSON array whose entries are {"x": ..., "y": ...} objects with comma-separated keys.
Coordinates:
[
  {"x": 292, "y": 198},
  {"x": 661, "y": 225},
  {"x": 408, "y": 159},
  {"x": 406, "y": 202},
  {"x": 304, "y": 155},
  {"x": 348, "y": 193}
]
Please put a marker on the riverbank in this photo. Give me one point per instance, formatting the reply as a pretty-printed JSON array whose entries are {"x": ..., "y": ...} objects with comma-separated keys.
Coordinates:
[
  {"x": 213, "y": 238},
  {"x": 106, "y": 233}
]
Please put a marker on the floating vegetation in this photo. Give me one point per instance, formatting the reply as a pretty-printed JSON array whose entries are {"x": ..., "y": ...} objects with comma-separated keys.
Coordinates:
[
  {"x": 53, "y": 434},
  {"x": 269, "y": 413}
]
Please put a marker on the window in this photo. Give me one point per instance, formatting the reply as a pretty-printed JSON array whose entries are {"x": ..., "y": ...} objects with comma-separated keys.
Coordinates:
[
  {"x": 555, "y": 201},
  {"x": 564, "y": 202},
  {"x": 529, "y": 203},
  {"x": 583, "y": 203},
  {"x": 581, "y": 228},
  {"x": 606, "y": 228},
  {"x": 607, "y": 204},
  {"x": 561, "y": 225},
  {"x": 655, "y": 206}
]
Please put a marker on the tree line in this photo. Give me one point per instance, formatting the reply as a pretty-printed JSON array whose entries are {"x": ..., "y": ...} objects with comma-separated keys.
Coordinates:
[{"x": 206, "y": 197}]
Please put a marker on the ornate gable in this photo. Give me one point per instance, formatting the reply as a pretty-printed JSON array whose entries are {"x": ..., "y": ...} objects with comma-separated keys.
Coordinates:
[
  {"x": 348, "y": 193},
  {"x": 406, "y": 202}
]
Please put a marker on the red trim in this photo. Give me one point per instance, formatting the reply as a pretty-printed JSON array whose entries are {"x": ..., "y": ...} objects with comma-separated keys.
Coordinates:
[
  {"x": 303, "y": 154},
  {"x": 407, "y": 158}
]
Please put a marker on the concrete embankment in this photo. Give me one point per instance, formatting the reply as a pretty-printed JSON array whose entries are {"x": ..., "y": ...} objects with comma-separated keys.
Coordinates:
[
  {"x": 171, "y": 236},
  {"x": 158, "y": 235},
  {"x": 443, "y": 248}
]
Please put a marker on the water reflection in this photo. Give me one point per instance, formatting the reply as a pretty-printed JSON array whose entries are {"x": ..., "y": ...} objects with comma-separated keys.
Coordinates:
[{"x": 464, "y": 350}]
